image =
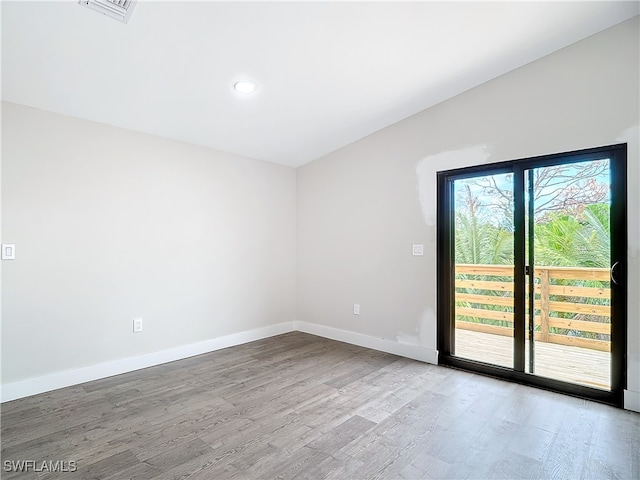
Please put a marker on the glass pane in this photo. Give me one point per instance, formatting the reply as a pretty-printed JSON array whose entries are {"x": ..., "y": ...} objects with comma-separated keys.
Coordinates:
[
  {"x": 571, "y": 262},
  {"x": 483, "y": 233}
]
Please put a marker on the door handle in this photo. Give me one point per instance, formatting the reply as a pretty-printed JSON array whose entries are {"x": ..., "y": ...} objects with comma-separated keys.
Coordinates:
[{"x": 613, "y": 273}]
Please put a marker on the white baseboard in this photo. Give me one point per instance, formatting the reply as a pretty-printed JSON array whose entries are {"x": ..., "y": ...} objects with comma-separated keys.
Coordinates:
[
  {"x": 67, "y": 378},
  {"x": 415, "y": 352},
  {"x": 632, "y": 400}
]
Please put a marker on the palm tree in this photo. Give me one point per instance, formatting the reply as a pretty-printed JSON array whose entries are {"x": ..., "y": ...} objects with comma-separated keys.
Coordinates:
[
  {"x": 478, "y": 239},
  {"x": 568, "y": 241}
]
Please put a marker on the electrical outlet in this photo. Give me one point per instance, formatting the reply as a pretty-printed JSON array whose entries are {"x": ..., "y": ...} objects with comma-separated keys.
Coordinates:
[
  {"x": 356, "y": 309},
  {"x": 137, "y": 325},
  {"x": 8, "y": 251},
  {"x": 418, "y": 250}
]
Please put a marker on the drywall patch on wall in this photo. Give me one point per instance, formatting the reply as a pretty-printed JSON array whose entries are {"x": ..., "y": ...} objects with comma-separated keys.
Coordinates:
[
  {"x": 428, "y": 167},
  {"x": 426, "y": 177},
  {"x": 631, "y": 136},
  {"x": 425, "y": 331},
  {"x": 407, "y": 339},
  {"x": 428, "y": 328},
  {"x": 415, "y": 352}
]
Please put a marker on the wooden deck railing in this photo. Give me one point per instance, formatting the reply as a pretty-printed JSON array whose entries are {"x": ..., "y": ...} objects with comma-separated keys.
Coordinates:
[{"x": 572, "y": 304}]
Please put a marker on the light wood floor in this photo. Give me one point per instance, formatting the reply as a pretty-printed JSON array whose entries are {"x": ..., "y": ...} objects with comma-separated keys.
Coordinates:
[
  {"x": 300, "y": 406},
  {"x": 562, "y": 362}
]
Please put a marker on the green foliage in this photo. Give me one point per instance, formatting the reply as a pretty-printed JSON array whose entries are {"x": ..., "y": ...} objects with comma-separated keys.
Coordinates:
[
  {"x": 568, "y": 241},
  {"x": 478, "y": 240},
  {"x": 481, "y": 243}
]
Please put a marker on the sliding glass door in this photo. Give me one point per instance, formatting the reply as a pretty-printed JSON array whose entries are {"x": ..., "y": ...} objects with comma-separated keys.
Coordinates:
[
  {"x": 568, "y": 319},
  {"x": 531, "y": 271},
  {"x": 483, "y": 243}
]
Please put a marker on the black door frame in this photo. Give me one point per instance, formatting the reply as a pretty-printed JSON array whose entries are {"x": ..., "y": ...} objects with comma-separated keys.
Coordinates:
[{"x": 446, "y": 280}]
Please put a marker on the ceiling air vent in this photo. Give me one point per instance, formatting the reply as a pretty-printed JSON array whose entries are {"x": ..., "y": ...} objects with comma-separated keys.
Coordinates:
[{"x": 118, "y": 9}]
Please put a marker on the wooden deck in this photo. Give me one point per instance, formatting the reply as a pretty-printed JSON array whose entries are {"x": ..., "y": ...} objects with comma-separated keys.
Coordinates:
[{"x": 562, "y": 362}]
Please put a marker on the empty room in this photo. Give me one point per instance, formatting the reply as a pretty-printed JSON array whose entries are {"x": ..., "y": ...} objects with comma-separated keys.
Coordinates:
[{"x": 341, "y": 240}]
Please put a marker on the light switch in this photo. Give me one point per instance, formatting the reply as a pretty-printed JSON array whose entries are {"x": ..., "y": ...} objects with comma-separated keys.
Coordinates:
[
  {"x": 8, "y": 251},
  {"x": 137, "y": 325},
  {"x": 418, "y": 249}
]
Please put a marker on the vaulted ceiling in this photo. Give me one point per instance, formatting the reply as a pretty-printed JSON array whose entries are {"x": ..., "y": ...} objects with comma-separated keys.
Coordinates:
[{"x": 328, "y": 73}]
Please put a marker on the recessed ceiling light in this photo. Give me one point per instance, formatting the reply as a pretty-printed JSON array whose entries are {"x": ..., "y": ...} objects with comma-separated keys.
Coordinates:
[{"x": 246, "y": 87}]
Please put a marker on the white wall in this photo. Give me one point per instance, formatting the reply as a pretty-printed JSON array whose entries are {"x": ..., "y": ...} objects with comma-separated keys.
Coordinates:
[
  {"x": 111, "y": 224},
  {"x": 361, "y": 208}
]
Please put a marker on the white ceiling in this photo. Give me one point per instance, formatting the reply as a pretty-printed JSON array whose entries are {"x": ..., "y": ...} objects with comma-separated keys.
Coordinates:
[{"x": 328, "y": 73}]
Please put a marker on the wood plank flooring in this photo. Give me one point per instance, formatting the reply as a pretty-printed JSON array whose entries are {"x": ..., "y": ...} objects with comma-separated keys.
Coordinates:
[{"x": 301, "y": 406}]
